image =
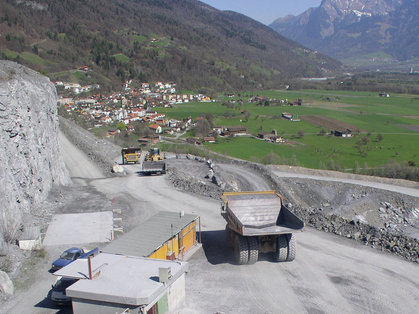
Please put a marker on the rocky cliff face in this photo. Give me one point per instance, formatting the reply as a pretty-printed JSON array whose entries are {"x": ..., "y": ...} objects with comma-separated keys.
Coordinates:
[{"x": 30, "y": 158}]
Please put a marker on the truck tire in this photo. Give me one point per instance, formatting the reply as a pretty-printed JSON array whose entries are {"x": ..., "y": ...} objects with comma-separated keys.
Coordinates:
[
  {"x": 292, "y": 247},
  {"x": 229, "y": 237},
  {"x": 241, "y": 250},
  {"x": 253, "y": 249},
  {"x": 281, "y": 253}
]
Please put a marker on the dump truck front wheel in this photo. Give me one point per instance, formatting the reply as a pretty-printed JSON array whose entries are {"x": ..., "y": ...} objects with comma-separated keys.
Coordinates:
[
  {"x": 241, "y": 250},
  {"x": 292, "y": 247},
  {"x": 286, "y": 248}
]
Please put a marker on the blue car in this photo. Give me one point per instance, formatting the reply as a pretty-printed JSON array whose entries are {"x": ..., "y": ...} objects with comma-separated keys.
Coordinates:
[{"x": 67, "y": 257}]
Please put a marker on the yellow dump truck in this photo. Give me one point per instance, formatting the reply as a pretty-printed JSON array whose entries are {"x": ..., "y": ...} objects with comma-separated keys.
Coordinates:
[
  {"x": 131, "y": 154},
  {"x": 259, "y": 222}
]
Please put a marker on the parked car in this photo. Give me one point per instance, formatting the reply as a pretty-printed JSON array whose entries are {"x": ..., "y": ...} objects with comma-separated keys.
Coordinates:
[
  {"x": 70, "y": 256},
  {"x": 67, "y": 257},
  {"x": 58, "y": 293}
]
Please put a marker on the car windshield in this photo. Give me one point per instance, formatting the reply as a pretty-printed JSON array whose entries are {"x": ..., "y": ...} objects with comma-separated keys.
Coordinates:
[
  {"x": 63, "y": 284},
  {"x": 67, "y": 255}
]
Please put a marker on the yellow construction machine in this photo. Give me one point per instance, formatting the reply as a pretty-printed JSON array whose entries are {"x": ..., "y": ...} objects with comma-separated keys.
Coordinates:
[
  {"x": 131, "y": 154},
  {"x": 154, "y": 162}
]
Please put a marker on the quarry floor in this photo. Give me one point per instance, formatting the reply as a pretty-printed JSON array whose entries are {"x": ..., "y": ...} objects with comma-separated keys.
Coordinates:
[{"x": 331, "y": 274}]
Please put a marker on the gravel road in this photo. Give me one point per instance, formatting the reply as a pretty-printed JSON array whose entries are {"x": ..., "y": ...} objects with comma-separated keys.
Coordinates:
[{"x": 331, "y": 274}]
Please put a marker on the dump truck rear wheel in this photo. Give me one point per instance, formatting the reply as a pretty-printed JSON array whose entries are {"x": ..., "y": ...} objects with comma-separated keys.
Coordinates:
[
  {"x": 281, "y": 253},
  {"x": 253, "y": 249},
  {"x": 229, "y": 237},
  {"x": 241, "y": 250},
  {"x": 292, "y": 247}
]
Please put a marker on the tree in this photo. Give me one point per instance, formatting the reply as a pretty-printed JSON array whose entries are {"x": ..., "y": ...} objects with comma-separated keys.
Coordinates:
[
  {"x": 271, "y": 159},
  {"x": 210, "y": 117},
  {"x": 202, "y": 127},
  {"x": 379, "y": 137},
  {"x": 364, "y": 140},
  {"x": 121, "y": 126},
  {"x": 301, "y": 133},
  {"x": 322, "y": 132}
]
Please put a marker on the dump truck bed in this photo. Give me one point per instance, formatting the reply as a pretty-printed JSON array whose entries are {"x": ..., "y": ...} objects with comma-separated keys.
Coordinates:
[{"x": 259, "y": 213}]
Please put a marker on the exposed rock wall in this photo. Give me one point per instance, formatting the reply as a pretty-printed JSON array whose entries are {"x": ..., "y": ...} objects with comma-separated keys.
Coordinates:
[{"x": 30, "y": 157}]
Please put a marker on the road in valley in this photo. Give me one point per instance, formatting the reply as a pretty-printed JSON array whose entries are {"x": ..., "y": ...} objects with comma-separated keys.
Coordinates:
[
  {"x": 330, "y": 274},
  {"x": 376, "y": 185}
]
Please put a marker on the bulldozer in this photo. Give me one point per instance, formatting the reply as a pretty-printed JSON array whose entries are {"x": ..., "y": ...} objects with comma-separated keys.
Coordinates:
[
  {"x": 154, "y": 162},
  {"x": 154, "y": 155}
]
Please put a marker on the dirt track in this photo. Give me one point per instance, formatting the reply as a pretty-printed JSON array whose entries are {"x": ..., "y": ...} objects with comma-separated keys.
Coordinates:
[{"x": 331, "y": 274}]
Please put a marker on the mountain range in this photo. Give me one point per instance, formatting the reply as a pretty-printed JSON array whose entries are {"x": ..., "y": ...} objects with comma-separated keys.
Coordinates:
[
  {"x": 185, "y": 41},
  {"x": 357, "y": 28}
]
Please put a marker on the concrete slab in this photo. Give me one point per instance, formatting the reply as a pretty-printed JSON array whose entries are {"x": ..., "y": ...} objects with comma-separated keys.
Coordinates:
[{"x": 80, "y": 228}]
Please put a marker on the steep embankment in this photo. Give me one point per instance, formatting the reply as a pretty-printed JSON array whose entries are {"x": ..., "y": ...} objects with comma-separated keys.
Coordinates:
[{"x": 30, "y": 158}]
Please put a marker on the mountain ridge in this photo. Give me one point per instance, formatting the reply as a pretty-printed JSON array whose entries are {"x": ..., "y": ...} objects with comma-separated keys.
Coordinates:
[
  {"x": 344, "y": 29},
  {"x": 185, "y": 41}
]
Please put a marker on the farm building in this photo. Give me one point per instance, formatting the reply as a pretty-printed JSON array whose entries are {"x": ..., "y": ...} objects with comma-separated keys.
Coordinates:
[
  {"x": 235, "y": 130},
  {"x": 290, "y": 116},
  {"x": 343, "y": 133}
]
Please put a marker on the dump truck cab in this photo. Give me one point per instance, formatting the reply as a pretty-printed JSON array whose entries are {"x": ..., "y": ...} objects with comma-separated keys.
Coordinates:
[{"x": 131, "y": 154}]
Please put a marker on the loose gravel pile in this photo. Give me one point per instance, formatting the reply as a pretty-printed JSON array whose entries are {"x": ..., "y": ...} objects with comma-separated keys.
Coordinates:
[{"x": 317, "y": 202}]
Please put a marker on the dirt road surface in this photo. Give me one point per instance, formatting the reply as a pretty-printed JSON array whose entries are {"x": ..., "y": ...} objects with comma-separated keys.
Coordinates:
[{"x": 330, "y": 274}]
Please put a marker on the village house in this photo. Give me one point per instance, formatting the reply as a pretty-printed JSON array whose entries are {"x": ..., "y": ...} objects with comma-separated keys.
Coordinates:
[
  {"x": 114, "y": 131},
  {"x": 144, "y": 141},
  {"x": 265, "y": 135},
  {"x": 155, "y": 128},
  {"x": 161, "y": 121},
  {"x": 155, "y": 138},
  {"x": 271, "y": 137},
  {"x": 209, "y": 139},
  {"x": 218, "y": 129},
  {"x": 130, "y": 128},
  {"x": 173, "y": 123}
]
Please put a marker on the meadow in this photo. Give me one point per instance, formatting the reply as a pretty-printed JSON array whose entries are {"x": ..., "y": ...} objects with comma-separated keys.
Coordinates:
[{"x": 386, "y": 128}]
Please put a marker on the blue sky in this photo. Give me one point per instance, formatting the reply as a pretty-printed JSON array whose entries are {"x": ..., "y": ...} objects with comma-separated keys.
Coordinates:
[{"x": 264, "y": 11}]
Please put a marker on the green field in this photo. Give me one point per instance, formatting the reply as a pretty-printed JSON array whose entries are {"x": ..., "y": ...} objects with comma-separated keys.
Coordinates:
[
  {"x": 395, "y": 119},
  {"x": 121, "y": 58}
]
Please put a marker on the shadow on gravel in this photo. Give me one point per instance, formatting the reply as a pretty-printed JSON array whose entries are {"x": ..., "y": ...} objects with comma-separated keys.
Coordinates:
[
  {"x": 217, "y": 252},
  {"x": 215, "y": 247},
  {"x": 46, "y": 303},
  {"x": 142, "y": 174}
]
